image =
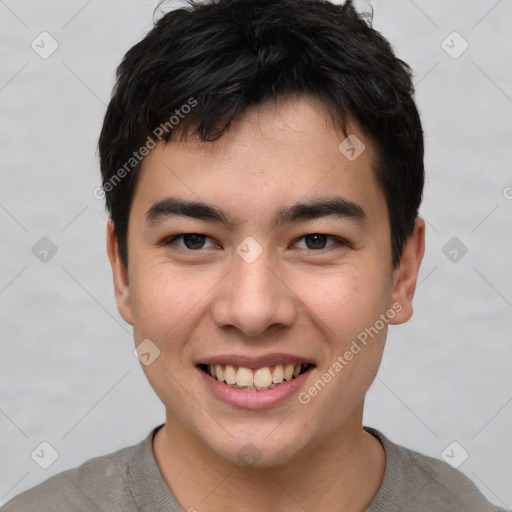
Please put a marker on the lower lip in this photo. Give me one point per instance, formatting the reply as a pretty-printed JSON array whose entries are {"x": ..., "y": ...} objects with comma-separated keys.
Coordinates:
[{"x": 250, "y": 399}]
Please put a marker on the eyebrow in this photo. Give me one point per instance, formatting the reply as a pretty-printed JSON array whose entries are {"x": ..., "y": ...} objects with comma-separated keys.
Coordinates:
[{"x": 301, "y": 211}]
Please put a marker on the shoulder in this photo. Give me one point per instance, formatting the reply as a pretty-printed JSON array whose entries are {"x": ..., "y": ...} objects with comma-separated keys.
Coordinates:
[
  {"x": 443, "y": 485},
  {"x": 97, "y": 484},
  {"x": 419, "y": 482}
]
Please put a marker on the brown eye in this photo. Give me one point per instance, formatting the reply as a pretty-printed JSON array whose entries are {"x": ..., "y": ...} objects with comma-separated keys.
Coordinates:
[
  {"x": 317, "y": 241},
  {"x": 194, "y": 241},
  {"x": 191, "y": 241}
]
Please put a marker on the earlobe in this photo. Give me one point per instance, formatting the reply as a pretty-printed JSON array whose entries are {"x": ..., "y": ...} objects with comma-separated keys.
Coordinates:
[
  {"x": 406, "y": 275},
  {"x": 119, "y": 274}
]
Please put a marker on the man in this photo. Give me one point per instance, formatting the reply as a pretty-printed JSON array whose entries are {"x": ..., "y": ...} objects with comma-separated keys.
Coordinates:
[{"x": 262, "y": 165}]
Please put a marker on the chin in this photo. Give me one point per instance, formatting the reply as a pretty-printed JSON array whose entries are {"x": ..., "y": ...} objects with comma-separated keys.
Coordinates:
[{"x": 261, "y": 451}]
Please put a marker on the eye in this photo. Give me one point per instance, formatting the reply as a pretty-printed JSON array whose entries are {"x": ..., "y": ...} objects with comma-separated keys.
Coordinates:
[
  {"x": 318, "y": 241},
  {"x": 191, "y": 241},
  {"x": 197, "y": 241}
]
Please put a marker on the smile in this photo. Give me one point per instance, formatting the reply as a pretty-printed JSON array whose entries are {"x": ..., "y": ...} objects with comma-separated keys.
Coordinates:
[{"x": 255, "y": 379}]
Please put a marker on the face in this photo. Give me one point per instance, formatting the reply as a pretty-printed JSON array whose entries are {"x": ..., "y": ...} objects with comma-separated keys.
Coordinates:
[{"x": 265, "y": 259}]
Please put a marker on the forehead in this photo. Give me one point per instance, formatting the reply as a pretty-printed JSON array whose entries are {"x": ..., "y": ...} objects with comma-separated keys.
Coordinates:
[{"x": 276, "y": 154}]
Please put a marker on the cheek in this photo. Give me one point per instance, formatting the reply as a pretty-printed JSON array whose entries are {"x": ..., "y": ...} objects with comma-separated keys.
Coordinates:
[
  {"x": 345, "y": 300},
  {"x": 347, "y": 311},
  {"x": 165, "y": 303},
  {"x": 167, "y": 309}
]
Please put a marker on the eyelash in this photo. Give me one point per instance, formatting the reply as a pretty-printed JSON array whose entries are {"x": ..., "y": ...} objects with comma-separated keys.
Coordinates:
[{"x": 338, "y": 241}]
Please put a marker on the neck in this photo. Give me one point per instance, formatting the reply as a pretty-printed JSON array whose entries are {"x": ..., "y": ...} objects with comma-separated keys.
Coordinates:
[{"x": 343, "y": 472}]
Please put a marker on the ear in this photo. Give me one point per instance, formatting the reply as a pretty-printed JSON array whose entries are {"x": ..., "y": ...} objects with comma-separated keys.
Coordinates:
[
  {"x": 406, "y": 274},
  {"x": 120, "y": 275}
]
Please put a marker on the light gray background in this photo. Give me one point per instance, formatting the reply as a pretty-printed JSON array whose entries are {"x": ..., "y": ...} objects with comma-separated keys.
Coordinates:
[{"x": 67, "y": 372}]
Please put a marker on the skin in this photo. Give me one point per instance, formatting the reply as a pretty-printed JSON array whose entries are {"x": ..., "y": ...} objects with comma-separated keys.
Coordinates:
[{"x": 292, "y": 299}]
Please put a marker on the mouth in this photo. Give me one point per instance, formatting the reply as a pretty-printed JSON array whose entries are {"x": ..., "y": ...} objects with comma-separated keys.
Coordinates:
[{"x": 255, "y": 379}]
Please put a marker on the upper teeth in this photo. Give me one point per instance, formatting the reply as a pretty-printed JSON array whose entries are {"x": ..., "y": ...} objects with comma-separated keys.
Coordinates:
[{"x": 266, "y": 377}]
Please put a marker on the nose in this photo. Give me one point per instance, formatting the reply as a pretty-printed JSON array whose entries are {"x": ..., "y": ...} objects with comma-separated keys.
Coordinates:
[{"x": 253, "y": 297}]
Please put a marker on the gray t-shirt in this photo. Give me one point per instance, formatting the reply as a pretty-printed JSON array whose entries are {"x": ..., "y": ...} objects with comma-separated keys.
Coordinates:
[{"x": 129, "y": 480}]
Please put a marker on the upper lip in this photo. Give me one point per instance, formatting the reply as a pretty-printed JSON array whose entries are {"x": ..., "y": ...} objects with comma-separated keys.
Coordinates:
[{"x": 255, "y": 362}]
